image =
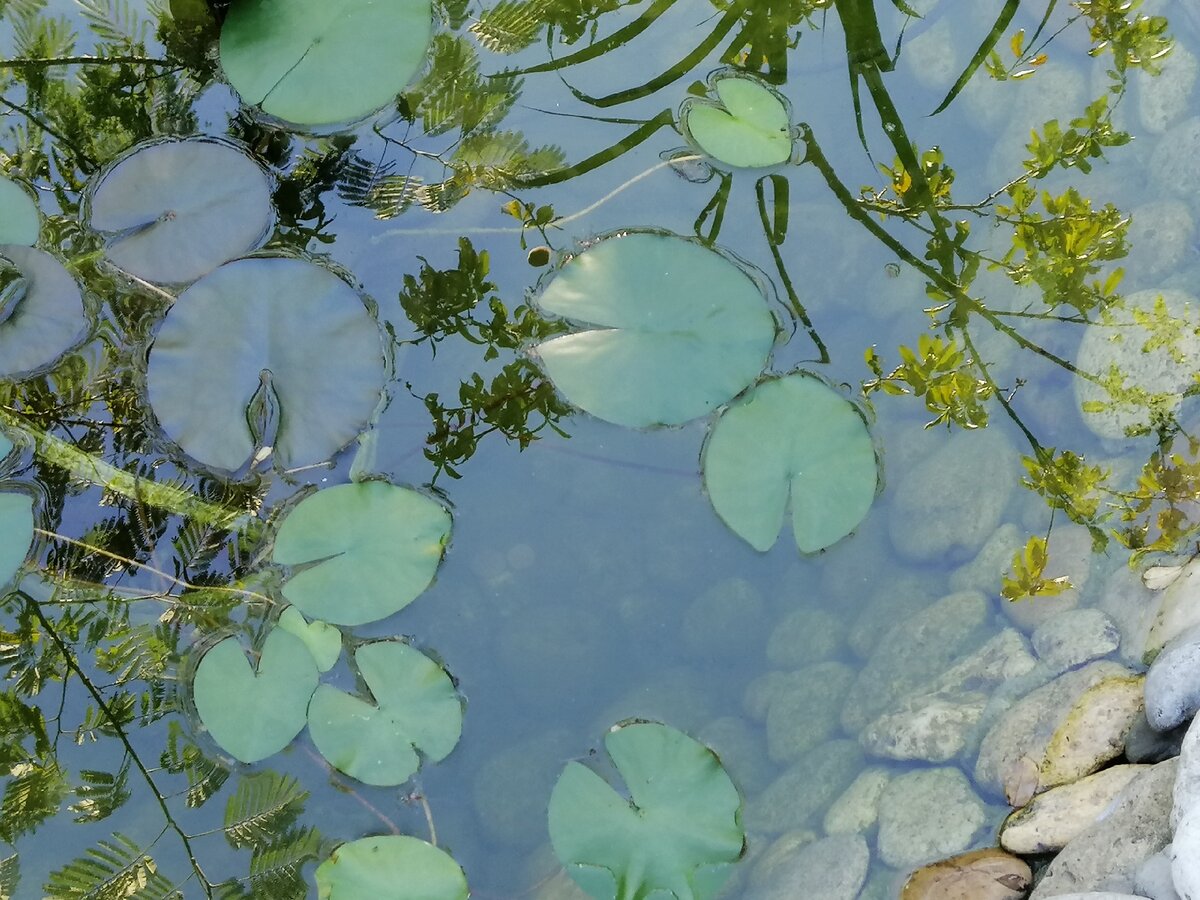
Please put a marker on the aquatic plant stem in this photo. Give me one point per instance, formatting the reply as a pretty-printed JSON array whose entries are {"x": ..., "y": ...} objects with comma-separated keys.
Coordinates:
[
  {"x": 119, "y": 731},
  {"x": 93, "y": 470}
]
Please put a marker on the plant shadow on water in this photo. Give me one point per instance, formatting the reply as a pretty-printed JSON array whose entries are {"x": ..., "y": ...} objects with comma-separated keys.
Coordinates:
[{"x": 405, "y": 432}]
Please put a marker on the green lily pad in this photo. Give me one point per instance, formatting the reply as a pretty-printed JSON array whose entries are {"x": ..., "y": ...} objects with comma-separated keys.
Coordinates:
[
  {"x": 16, "y": 531},
  {"x": 676, "y": 835},
  {"x": 174, "y": 210},
  {"x": 395, "y": 866},
  {"x": 254, "y": 713},
  {"x": 677, "y": 330},
  {"x": 321, "y": 62},
  {"x": 372, "y": 548},
  {"x": 323, "y": 641},
  {"x": 791, "y": 435},
  {"x": 749, "y": 128},
  {"x": 41, "y": 310},
  {"x": 19, "y": 218},
  {"x": 413, "y": 706},
  {"x": 266, "y": 328}
]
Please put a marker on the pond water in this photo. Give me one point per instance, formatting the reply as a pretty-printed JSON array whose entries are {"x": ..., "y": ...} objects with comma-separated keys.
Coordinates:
[{"x": 587, "y": 579}]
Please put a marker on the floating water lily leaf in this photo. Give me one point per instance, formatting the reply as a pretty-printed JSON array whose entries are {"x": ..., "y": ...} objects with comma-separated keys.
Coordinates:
[
  {"x": 677, "y": 838},
  {"x": 395, "y": 866},
  {"x": 16, "y": 530},
  {"x": 175, "y": 210},
  {"x": 19, "y": 219},
  {"x": 791, "y": 435},
  {"x": 749, "y": 129},
  {"x": 41, "y": 309},
  {"x": 323, "y": 641},
  {"x": 275, "y": 329},
  {"x": 374, "y": 548},
  {"x": 320, "y": 62},
  {"x": 415, "y": 708},
  {"x": 255, "y": 714},
  {"x": 678, "y": 330}
]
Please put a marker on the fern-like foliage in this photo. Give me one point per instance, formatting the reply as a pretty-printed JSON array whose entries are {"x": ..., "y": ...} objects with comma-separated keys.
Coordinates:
[
  {"x": 115, "y": 869},
  {"x": 375, "y": 187},
  {"x": 10, "y": 876},
  {"x": 498, "y": 159},
  {"x": 276, "y": 869},
  {"x": 454, "y": 95},
  {"x": 33, "y": 794},
  {"x": 101, "y": 793},
  {"x": 204, "y": 776},
  {"x": 114, "y": 20},
  {"x": 265, "y": 805},
  {"x": 511, "y": 25}
]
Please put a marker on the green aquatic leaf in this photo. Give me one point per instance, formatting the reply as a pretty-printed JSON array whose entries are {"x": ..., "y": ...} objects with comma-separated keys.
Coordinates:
[
  {"x": 323, "y": 641},
  {"x": 363, "y": 551},
  {"x": 791, "y": 436},
  {"x": 16, "y": 531},
  {"x": 395, "y": 866},
  {"x": 263, "y": 331},
  {"x": 19, "y": 218},
  {"x": 41, "y": 310},
  {"x": 254, "y": 712},
  {"x": 174, "y": 210},
  {"x": 321, "y": 62},
  {"x": 677, "y": 330},
  {"x": 412, "y": 707},
  {"x": 749, "y": 128},
  {"x": 676, "y": 834}
]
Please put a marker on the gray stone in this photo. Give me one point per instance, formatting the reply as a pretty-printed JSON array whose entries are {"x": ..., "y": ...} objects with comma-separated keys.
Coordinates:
[
  {"x": 1176, "y": 611},
  {"x": 806, "y": 635},
  {"x": 803, "y": 708},
  {"x": 1173, "y": 682},
  {"x": 1069, "y": 552},
  {"x": 1144, "y": 744},
  {"x": 914, "y": 652},
  {"x": 1166, "y": 97},
  {"x": 1136, "y": 827},
  {"x": 805, "y": 790},
  {"x": 927, "y": 814},
  {"x": 858, "y": 808},
  {"x": 1094, "y": 730},
  {"x": 1053, "y": 818},
  {"x": 1153, "y": 877},
  {"x": 1131, "y": 606},
  {"x": 833, "y": 868},
  {"x": 1074, "y": 637},
  {"x": 512, "y": 788},
  {"x": 727, "y": 621},
  {"x": 1160, "y": 238},
  {"x": 981, "y": 465},
  {"x": 1187, "y": 782},
  {"x": 1175, "y": 163},
  {"x": 740, "y": 749},
  {"x": 1023, "y": 731},
  {"x": 901, "y": 599},
  {"x": 1185, "y": 855},
  {"x": 987, "y": 874}
]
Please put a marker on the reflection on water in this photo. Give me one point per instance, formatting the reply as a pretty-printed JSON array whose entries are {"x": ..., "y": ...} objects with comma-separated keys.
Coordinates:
[{"x": 1006, "y": 290}]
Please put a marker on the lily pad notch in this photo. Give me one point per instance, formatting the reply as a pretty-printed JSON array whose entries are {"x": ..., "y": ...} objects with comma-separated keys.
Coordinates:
[{"x": 745, "y": 124}]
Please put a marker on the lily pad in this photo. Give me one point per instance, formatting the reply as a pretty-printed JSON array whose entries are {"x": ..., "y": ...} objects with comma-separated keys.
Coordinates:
[
  {"x": 373, "y": 548},
  {"x": 279, "y": 327},
  {"x": 791, "y": 435},
  {"x": 172, "y": 211},
  {"x": 676, "y": 835},
  {"x": 749, "y": 128},
  {"x": 320, "y": 62},
  {"x": 16, "y": 531},
  {"x": 677, "y": 330},
  {"x": 254, "y": 713},
  {"x": 395, "y": 866},
  {"x": 41, "y": 310},
  {"x": 413, "y": 706},
  {"x": 323, "y": 641},
  {"x": 19, "y": 219}
]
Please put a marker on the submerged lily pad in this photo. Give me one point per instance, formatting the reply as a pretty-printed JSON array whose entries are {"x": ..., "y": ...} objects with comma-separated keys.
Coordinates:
[
  {"x": 254, "y": 713},
  {"x": 16, "y": 530},
  {"x": 677, "y": 330},
  {"x": 749, "y": 128},
  {"x": 19, "y": 219},
  {"x": 175, "y": 210},
  {"x": 41, "y": 310},
  {"x": 677, "y": 834},
  {"x": 372, "y": 548},
  {"x": 278, "y": 327},
  {"x": 413, "y": 706},
  {"x": 395, "y": 866},
  {"x": 320, "y": 62},
  {"x": 791, "y": 435}
]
